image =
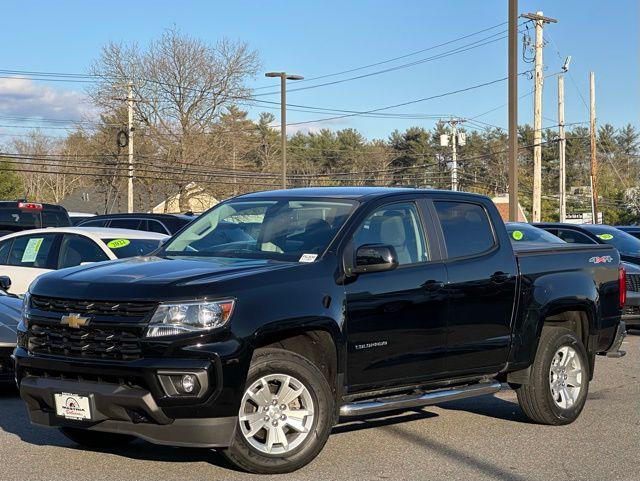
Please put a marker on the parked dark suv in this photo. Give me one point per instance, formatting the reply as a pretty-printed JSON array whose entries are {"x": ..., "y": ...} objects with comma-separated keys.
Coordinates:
[
  {"x": 161, "y": 223},
  {"x": 17, "y": 216}
]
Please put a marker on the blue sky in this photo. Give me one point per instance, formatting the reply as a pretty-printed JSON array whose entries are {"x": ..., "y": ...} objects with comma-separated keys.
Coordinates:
[{"x": 315, "y": 38}]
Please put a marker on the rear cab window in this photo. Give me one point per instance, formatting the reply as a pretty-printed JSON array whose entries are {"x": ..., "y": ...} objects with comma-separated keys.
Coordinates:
[{"x": 466, "y": 228}]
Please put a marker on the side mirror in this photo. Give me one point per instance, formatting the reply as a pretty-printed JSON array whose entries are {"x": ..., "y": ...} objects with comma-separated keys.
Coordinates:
[
  {"x": 5, "y": 283},
  {"x": 375, "y": 258}
]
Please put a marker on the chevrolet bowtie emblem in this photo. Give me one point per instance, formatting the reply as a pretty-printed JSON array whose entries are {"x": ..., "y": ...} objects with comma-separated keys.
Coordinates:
[{"x": 74, "y": 320}]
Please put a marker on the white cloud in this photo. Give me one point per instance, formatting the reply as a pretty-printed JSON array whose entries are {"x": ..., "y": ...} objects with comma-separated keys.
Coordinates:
[
  {"x": 315, "y": 127},
  {"x": 25, "y": 98}
]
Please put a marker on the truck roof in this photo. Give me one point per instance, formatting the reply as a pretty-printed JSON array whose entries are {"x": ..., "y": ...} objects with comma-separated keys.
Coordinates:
[{"x": 355, "y": 193}]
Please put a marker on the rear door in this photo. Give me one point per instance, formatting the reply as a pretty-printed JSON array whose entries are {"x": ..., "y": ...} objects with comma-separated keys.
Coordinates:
[
  {"x": 482, "y": 280},
  {"x": 29, "y": 257},
  {"x": 396, "y": 320}
]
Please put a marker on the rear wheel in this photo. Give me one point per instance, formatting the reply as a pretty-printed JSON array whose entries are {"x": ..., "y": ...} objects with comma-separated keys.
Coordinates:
[
  {"x": 285, "y": 415},
  {"x": 96, "y": 439},
  {"x": 559, "y": 381}
]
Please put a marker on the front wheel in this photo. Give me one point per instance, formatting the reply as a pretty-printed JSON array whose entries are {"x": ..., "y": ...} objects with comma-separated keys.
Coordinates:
[
  {"x": 285, "y": 414},
  {"x": 559, "y": 383}
]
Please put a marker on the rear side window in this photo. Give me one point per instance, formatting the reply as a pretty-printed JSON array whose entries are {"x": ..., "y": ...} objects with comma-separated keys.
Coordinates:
[
  {"x": 466, "y": 227},
  {"x": 33, "y": 251},
  {"x": 4, "y": 251},
  {"x": 574, "y": 237},
  {"x": 155, "y": 226},
  {"x": 76, "y": 249},
  {"x": 55, "y": 218},
  {"x": 93, "y": 223},
  {"x": 125, "y": 224}
]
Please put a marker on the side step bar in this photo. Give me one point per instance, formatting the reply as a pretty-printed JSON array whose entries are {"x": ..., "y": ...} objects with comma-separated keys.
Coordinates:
[{"x": 417, "y": 400}]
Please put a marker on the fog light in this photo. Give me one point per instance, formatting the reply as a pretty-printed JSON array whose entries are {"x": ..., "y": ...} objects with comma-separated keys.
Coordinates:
[{"x": 188, "y": 383}]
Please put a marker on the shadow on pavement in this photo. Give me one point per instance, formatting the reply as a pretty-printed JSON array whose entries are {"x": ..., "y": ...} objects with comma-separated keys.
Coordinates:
[
  {"x": 379, "y": 420},
  {"x": 490, "y": 406},
  {"x": 454, "y": 454}
]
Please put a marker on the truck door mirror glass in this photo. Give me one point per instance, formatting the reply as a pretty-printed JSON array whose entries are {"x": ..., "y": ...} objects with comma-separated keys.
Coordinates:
[
  {"x": 5, "y": 283},
  {"x": 375, "y": 258}
]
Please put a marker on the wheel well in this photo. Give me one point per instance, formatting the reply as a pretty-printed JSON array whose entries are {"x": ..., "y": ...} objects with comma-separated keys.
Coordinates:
[
  {"x": 317, "y": 346},
  {"x": 577, "y": 321}
]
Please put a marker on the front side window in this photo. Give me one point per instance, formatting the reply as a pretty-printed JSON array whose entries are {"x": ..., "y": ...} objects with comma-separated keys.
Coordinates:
[
  {"x": 574, "y": 237},
  {"x": 32, "y": 251},
  {"x": 264, "y": 229},
  {"x": 76, "y": 249},
  {"x": 466, "y": 228},
  {"x": 397, "y": 225}
]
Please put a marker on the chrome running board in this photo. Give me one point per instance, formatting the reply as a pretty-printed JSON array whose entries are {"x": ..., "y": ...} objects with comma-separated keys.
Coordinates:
[{"x": 417, "y": 400}]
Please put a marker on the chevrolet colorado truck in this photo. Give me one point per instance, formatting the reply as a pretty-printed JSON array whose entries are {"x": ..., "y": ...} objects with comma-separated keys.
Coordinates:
[{"x": 259, "y": 326}]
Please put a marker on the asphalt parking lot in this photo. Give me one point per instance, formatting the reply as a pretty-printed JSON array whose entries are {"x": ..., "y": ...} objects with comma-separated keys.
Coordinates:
[{"x": 482, "y": 438}]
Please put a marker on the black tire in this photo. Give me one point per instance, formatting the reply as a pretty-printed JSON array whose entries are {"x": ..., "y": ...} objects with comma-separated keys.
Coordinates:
[
  {"x": 96, "y": 439},
  {"x": 535, "y": 398},
  {"x": 278, "y": 361}
]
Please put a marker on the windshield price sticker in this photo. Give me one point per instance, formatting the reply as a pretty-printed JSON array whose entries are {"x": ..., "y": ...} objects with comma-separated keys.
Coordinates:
[
  {"x": 517, "y": 235},
  {"x": 117, "y": 243},
  {"x": 32, "y": 249},
  {"x": 308, "y": 257},
  {"x": 605, "y": 236}
]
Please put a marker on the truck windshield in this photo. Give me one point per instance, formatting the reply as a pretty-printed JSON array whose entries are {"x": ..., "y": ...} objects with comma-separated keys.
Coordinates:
[
  {"x": 625, "y": 243},
  {"x": 288, "y": 230}
]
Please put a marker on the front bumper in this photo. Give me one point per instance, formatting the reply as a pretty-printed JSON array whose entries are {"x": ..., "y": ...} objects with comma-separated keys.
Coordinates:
[
  {"x": 124, "y": 410},
  {"x": 129, "y": 398}
]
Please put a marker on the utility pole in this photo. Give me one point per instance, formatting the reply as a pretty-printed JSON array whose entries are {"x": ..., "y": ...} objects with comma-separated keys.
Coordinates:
[
  {"x": 539, "y": 20},
  {"x": 130, "y": 144},
  {"x": 283, "y": 117},
  {"x": 562, "y": 145},
  {"x": 455, "y": 141},
  {"x": 513, "y": 110},
  {"x": 594, "y": 159}
]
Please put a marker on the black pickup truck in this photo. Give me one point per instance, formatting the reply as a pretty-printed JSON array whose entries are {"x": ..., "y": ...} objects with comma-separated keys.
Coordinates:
[{"x": 259, "y": 326}]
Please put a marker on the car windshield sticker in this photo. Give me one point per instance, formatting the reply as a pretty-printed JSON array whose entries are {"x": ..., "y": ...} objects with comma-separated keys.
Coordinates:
[
  {"x": 117, "y": 243},
  {"x": 31, "y": 251},
  {"x": 517, "y": 234},
  {"x": 605, "y": 236},
  {"x": 308, "y": 257}
]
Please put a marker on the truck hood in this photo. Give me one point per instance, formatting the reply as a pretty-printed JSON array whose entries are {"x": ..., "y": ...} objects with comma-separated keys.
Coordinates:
[{"x": 149, "y": 278}]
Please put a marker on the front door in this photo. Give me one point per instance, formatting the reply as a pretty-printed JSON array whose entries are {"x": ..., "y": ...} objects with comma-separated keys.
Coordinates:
[{"x": 396, "y": 320}]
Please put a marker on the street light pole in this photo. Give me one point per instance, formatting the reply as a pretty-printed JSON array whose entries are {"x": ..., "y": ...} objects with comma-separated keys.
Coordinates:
[{"x": 283, "y": 117}]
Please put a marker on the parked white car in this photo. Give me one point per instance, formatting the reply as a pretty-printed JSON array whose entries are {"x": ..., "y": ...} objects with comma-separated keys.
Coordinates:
[{"x": 27, "y": 254}]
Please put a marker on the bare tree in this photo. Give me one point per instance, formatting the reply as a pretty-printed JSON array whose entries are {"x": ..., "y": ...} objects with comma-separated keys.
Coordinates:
[{"x": 181, "y": 87}]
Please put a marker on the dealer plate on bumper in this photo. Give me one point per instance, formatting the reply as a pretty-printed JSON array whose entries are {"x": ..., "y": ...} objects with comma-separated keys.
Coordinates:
[{"x": 72, "y": 406}]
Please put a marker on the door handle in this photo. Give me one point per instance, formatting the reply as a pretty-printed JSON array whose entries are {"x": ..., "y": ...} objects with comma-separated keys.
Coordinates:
[
  {"x": 499, "y": 277},
  {"x": 432, "y": 285}
]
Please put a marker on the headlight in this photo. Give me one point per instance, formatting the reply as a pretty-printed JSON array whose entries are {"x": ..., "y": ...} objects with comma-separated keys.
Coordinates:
[
  {"x": 26, "y": 299},
  {"x": 184, "y": 317}
]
